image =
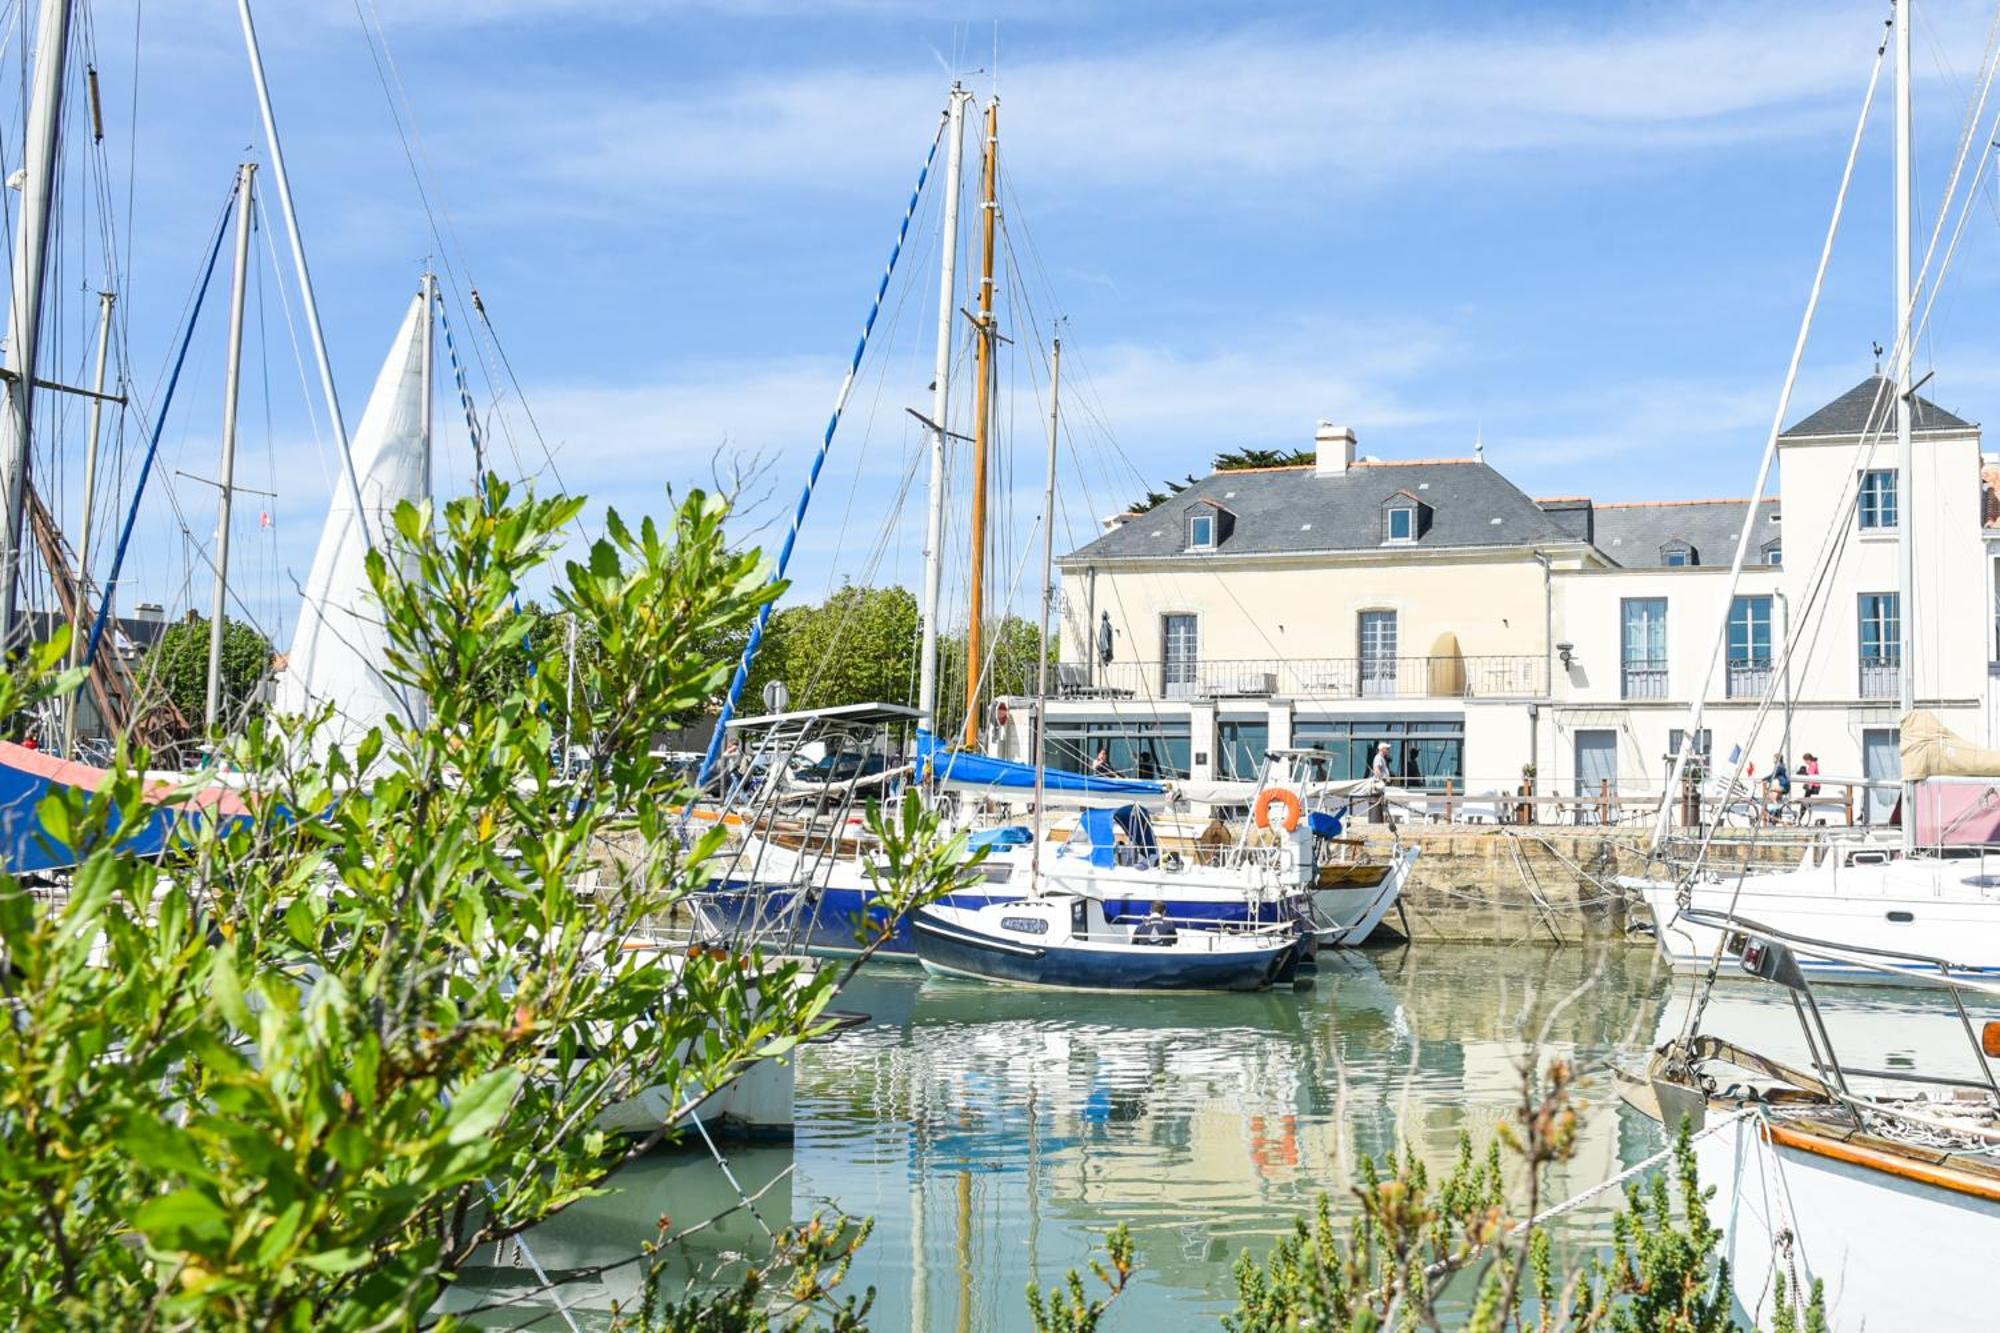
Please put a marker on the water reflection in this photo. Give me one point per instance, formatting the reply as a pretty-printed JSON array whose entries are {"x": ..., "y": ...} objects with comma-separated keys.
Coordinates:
[{"x": 995, "y": 1135}]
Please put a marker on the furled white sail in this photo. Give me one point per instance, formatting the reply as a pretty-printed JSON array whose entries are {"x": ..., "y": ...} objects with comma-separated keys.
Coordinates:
[{"x": 339, "y": 647}]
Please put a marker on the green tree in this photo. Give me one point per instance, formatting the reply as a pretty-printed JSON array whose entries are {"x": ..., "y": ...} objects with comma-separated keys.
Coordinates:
[
  {"x": 177, "y": 665},
  {"x": 1231, "y": 460},
  {"x": 295, "y": 1076},
  {"x": 858, "y": 646}
]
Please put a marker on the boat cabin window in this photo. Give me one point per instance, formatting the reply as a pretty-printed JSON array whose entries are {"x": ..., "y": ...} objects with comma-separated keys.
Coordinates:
[
  {"x": 996, "y": 873},
  {"x": 1025, "y": 925}
]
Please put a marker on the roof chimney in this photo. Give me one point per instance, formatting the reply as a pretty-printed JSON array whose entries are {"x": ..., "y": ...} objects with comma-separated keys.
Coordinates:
[{"x": 1333, "y": 449}]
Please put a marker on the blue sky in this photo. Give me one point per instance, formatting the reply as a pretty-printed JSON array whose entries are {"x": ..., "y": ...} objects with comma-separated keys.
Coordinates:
[{"x": 1584, "y": 232}]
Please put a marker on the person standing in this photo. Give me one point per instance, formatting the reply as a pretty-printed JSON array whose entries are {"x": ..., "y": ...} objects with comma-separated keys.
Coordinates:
[{"x": 1378, "y": 769}]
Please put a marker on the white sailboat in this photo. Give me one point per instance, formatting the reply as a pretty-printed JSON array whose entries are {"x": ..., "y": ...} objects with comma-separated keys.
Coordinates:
[
  {"x": 1857, "y": 1155},
  {"x": 1934, "y": 903}
]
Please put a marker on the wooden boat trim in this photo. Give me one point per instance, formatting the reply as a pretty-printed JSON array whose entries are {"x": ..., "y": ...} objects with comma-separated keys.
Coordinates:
[{"x": 1945, "y": 1173}]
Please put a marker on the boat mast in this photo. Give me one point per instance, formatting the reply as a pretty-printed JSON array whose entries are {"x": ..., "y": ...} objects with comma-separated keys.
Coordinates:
[
  {"x": 232, "y": 382},
  {"x": 307, "y": 300},
  {"x": 1905, "y": 456},
  {"x": 430, "y": 310},
  {"x": 31, "y": 262},
  {"x": 981, "y": 424},
  {"x": 1048, "y": 599},
  {"x": 77, "y": 632},
  {"x": 940, "y": 407}
]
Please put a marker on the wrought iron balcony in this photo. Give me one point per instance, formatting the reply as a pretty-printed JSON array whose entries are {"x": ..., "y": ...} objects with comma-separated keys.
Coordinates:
[
  {"x": 1645, "y": 678},
  {"x": 1881, "y": 677},
  {"x": 1749, "y": 677},
  {"x": 1492, "y": 677}
]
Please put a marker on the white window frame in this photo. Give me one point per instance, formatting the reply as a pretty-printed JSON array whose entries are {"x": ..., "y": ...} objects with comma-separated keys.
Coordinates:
[
  {"x": 1868, "y": 509},
  {"x": 1389, "y": 537},
  {"x": 1193, "y": 521}
]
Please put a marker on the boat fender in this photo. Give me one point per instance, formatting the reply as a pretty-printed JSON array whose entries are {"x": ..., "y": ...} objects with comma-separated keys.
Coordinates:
[{"x": 1295, "y": 809}]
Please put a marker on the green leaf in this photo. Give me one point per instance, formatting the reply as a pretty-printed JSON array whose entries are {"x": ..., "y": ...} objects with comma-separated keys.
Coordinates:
[
  {"x": 186, "y": 1219},
  {"x": 480, "y": 1104}
]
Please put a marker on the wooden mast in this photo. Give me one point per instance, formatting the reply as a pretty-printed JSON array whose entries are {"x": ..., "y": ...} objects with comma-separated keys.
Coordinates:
[{"x": 982, "y": 420}]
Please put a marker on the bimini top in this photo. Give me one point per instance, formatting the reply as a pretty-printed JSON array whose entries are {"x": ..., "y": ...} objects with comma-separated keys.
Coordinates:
[{"x": 855, "y": 715}]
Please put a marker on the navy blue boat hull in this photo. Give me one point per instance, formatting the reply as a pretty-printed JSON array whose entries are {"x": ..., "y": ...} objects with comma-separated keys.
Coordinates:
[
  {"x": 948, "y": 949},
  {"x": 830, "y": 920}
]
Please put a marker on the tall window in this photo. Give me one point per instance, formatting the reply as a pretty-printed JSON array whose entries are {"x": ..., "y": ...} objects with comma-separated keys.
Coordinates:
[
  {"x": 1645, "y": 648},
  {"x": 1378, "y": 653},
  {"x": 1240, "y": 745},
  {"x": 1704, "y": 747},
  {"x": 1402, "y": 521},
  {"x": 1180, "y": 655},
  {"x": 1996, "y": 611},
  {"x": 1201, "y": 532},
  {"x": 1881, "y": 645},
  {"x": 1749, "y": 647},
  {"x": 1877, "y": 506}
]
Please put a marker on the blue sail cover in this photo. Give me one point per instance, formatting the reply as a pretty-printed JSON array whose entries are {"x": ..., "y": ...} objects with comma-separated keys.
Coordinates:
[{"x": 978, "y": 770}]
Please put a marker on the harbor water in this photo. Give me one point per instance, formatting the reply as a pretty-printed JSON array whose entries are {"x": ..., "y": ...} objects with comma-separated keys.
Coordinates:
[{"x": 996, "y": 1135}]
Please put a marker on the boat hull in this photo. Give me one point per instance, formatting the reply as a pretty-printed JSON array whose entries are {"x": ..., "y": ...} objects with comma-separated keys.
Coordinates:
[
  {"x": 953, "y": 951},
  {"x": 1894, "y": 1251},
  {"x": 831, "y": 921},
  {"x": 1962, "y": 928}
]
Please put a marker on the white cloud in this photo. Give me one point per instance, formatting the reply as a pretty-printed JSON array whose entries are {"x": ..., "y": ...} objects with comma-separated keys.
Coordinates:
[{"x": 1253, "y": 108}]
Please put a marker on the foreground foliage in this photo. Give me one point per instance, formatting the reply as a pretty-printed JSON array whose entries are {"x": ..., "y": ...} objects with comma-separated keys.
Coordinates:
[
  {"x": 1424, "y": 1254},
  {"x": 295, "y": 1076}
]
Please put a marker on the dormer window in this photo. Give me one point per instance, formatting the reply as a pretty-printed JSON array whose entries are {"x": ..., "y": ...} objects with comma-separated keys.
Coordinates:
[
  {"x": 1208, "y": 525},
  {"x": 1773, "y": 551},
  {"x": 1677, "y": 555},
  {"x": 1405, "y": 519}
]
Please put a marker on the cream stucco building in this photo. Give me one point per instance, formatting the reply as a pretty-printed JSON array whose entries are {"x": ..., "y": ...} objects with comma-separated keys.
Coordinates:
[{"x": 1434, "y": 605}]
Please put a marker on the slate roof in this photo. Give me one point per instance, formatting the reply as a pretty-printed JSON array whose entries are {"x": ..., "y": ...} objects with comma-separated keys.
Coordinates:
[
  {"x": 1849, "y": 414},
  {"x": 1634, "y": 535},
  {"x": 1295, "y": 510}
]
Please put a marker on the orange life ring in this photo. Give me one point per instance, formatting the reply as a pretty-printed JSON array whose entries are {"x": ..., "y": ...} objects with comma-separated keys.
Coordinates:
[{"x": 1295, "y": 809}]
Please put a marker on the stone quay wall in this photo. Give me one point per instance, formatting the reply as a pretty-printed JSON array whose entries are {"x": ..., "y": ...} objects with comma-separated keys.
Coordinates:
[{"x": 1523, "y": 884}]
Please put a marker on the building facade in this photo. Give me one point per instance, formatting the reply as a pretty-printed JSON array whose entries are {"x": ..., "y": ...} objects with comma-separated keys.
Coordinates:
[{"x": 1481, "y": 632}]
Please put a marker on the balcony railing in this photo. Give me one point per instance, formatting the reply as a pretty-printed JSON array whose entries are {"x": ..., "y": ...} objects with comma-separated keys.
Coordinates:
[
  {"x": 1499, "y": 677},
  {"x": 1881, "y": 678},
  {"x": 1645, "y": 678},
  {"x": 1749, "y": 677}
]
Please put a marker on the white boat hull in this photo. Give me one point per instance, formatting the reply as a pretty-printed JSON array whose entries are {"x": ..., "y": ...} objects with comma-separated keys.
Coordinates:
[
  {"x": 1894, "y": 1253},
  {"x": 1932, "y": 908},
  {"x": 756, "y": 1104}
]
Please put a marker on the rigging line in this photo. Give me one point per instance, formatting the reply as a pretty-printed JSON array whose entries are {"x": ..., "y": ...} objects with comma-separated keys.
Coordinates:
[
  {"x": 880, "y": 377},
  {"x": 1677, "y": 772},
  {"x": 159, "y": 424},
  {"x": 292, "y": 331},
  {"x": 742, "y": 676},
  {"x": 465, "y": 402}
]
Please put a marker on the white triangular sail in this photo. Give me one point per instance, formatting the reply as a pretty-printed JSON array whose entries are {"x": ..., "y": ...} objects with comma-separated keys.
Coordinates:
[{"x": 339, "y": 648}]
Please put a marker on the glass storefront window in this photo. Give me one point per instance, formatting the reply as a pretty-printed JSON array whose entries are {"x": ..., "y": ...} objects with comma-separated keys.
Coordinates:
[
  {"x": 1423, "y": 752},
  {"x": 1152, "y": 751}
]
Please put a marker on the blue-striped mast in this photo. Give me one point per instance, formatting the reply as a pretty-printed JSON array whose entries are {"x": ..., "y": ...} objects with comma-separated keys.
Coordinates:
[{"x": 742, "y": 676}]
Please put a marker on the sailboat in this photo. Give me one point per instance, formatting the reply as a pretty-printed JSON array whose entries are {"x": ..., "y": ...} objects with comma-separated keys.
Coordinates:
[
  {"x": 1920, "y": 896},
  {"x": 1109, "y": 853},
  {"x": 1877, "y": 1180}
]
